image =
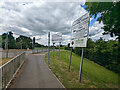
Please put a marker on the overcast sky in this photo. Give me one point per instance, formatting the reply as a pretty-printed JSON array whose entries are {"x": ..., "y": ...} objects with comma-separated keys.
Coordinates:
[{"x": 36, "y": 19}]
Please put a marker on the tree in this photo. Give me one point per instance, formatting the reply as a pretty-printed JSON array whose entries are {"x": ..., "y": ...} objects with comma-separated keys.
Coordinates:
[
  {"x": 38, "y": 45},
  {"x": 11, "y": 40},
  {"x": 26, "y": 41},
  {"x": 16, "y": 43},
  {"x": 110, "y": 16}
]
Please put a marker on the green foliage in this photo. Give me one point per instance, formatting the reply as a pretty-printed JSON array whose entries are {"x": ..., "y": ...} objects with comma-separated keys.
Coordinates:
[
  {"x": 16, "y": 43},
  {"x": 11, "y": 40},
  {"x": 102, "y": 52},
  {"x": 38, "y": 45},
  {"x": 110, "y": 15},
  {"x": 26, "y": 42}
]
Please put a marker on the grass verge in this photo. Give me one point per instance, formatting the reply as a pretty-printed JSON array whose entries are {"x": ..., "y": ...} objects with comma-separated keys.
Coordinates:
[
  {"x": 93, "y": 75},
  {"x": 4, "y": 60}
]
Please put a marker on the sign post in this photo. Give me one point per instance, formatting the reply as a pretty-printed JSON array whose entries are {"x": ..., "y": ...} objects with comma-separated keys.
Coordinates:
[
  {"x": 70, "y": 60},
  {"x": 53, "y": 49},
  {"x": 79, "y": 34},
  {"x": 80, "y": 73},
  {"x": 33, "y": 43},
  {"x": 48, "y": 46},
  {"x": 59, "y": 49}
]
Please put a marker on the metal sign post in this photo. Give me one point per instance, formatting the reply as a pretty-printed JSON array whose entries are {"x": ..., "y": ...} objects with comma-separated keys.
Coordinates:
[
  {"x": 80, "y": 73},
  {"x": 53, "y": 49},
  {"x": 59, "y": 49},
  {"x": 48, "y": 46},
  {"x": 70, "y": 60}
]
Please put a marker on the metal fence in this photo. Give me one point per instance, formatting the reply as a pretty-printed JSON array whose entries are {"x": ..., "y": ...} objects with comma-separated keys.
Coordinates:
[
  {"x": 36, "y": 51},
  {"x": 17, "y": 52},
  {"x": 9, "y": 69}
]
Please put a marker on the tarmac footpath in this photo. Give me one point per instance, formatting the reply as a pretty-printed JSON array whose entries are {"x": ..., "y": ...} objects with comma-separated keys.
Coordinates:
[{"x": 36, "y": 74}]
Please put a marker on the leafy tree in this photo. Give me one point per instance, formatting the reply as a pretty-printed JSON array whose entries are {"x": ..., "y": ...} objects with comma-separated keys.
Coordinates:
[
  {"x": 38, "y": 45},
  {"x": 26, "y": 41},
  {"x": 11, "y": 40},
  {"x": 110, "y": 16},
  {"x": 16, "y": 43}
]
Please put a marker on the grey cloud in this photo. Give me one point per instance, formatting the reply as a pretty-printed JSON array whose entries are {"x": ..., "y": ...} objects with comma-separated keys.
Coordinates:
[{"x": 40, "y": 18}]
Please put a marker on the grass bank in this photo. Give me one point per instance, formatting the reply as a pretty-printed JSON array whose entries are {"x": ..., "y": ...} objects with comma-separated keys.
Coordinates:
[{"x": 93, "y": 75}]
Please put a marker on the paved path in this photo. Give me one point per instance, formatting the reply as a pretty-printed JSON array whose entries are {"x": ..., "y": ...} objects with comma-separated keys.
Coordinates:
[{"x": 36, "y": 74}]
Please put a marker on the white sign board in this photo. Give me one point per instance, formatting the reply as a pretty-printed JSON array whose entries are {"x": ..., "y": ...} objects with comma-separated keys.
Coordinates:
[
  {"x": 81, "y": 42},
  {"x": 57, "y": 37},
  {"x": 79, "y": 32}
]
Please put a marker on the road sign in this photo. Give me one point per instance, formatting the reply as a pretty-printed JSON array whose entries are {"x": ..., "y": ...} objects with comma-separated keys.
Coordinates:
[
  {"x": 81, "y": 19},
  {"x": 79, "y": 32},
  {"x": 72, "y": 43},
  {"x": 81, "y": 42},
  {"x": 57, "y": 38}
]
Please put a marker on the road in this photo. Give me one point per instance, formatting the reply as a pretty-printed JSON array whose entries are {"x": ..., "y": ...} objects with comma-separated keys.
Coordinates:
[{"x": 36, "y": 74}]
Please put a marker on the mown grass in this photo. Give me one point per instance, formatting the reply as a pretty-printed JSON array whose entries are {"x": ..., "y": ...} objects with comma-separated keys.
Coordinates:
[{"x": 93, "y": 75}]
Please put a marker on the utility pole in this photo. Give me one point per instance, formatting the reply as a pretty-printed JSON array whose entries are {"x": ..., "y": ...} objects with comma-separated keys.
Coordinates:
[{"x": 48, "y": 45}]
